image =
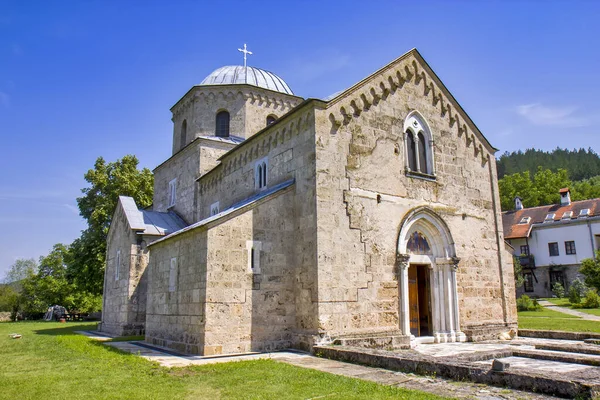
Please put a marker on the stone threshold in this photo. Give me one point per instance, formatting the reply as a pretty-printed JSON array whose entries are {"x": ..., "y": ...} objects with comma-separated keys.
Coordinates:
[{"x": 464, "y": 368}]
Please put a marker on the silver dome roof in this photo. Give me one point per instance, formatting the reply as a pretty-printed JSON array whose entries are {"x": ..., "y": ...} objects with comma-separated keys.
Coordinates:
[{"x": 237, "y": 74}]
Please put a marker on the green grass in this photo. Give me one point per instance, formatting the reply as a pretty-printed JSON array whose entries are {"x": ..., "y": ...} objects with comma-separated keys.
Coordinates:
[
  {"x": 52, "y": 362},
  {"x": 545, "y": 313}
]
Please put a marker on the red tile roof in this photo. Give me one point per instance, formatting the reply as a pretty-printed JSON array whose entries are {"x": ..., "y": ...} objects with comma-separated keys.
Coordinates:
[{"x": 511, "y": 219}]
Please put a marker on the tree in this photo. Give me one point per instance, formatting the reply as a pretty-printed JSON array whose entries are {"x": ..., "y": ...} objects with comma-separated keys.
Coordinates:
[
  {"x": 590, "y": 269},
  {"x": 20, "y": 270},
  {"x": 85, "y": 263},
  {"x": 542, "y": 189}
]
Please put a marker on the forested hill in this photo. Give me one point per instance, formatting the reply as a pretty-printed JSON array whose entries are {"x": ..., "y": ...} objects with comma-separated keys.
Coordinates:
[{"x": 580, "y": 164}]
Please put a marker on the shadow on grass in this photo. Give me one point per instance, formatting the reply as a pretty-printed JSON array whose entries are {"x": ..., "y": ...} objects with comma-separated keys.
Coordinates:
[{"x": 65, "y": 329}]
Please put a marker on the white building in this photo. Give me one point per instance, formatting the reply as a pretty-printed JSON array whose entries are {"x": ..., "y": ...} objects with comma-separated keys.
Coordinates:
[{"x": 551, "y": 241}]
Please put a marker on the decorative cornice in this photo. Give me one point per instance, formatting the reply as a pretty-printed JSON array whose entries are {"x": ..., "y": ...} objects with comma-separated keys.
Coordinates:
[{"x": 380, "y": 85}]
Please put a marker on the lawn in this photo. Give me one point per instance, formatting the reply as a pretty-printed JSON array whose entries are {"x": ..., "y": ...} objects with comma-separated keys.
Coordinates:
[
  {"x": 50, "y": 361},
  {"x": 555, "y": 321}
]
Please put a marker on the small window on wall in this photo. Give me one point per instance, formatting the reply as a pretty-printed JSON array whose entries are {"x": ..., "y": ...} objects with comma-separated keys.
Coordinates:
[
  {"x": 271, "y": 119},
  {"x": 173, "y": 275},
  {"x": 528, "y": 281},
  {"x": 260, "y": 173},
  {"x": 117, "y": 264},
  {"x": 183, "y": 134},
  {"x": 214, "y": 209},
  {"x": 553, "y": 249},
  {"x": 525, "y": 249},
  {"x": 172, "y": 192},
  {"x": 419, "y": 145},
  {"x": 222, "y": 124},
  {"x": 570, "y": 247}
]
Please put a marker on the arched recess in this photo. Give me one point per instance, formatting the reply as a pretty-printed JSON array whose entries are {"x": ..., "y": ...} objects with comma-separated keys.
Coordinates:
[
  {"x": 425, "y": 243},
  {"x": 419, "y": 151}
]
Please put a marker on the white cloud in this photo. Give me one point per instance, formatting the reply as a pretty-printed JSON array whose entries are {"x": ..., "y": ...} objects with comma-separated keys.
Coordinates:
[
  {"x": 72, "y": 208},
  {"x": 539, "y": 114},
  {"x": 4, "y": 99}
]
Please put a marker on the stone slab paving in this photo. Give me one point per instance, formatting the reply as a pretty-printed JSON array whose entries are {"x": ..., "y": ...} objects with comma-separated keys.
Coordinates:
[
  {"x": 95, "y": 335},
  {"x": 570, "y": 311},
  {"x": 539, "y": 365}
]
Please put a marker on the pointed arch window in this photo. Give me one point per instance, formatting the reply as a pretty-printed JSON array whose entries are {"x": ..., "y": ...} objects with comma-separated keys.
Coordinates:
[
  {"x": 183, "y": 134},
  {"x": 419, "y": 145},
  {"x": 260, "y": 173},
  {"x": 222, "y": 124}
]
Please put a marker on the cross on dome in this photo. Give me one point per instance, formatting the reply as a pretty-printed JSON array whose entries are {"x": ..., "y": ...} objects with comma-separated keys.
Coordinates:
[{"x": 246, "y": 52}]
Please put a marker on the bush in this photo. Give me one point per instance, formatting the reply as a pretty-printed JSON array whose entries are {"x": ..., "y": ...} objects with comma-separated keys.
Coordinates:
[
  {"x": 591, "y": 300},
  {"x": 558, "y": 290},
  {"x": 576, "y": 291},
  {"x": 525, "y": 303}
]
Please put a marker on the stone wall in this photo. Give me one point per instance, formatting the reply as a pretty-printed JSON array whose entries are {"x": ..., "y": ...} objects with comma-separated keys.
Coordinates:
[
  {"x": 248, "y": 108},
  {"x": 219, "y": 305},
  {"x": 124, "y": 299},
  {"x": 363, "y": 194},
  {"x": 186, "y": 166},
  {"x": 542, "y": 287}
]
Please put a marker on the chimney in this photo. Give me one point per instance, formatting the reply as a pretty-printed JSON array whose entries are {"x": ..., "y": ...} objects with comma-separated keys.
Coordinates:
[
  {"x": 518, "y": 203},
  {"x": 565, "y": 196}
]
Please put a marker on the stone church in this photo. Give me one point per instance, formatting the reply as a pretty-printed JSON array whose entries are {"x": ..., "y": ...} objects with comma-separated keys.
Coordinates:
[{"x": 279, "y": 222}]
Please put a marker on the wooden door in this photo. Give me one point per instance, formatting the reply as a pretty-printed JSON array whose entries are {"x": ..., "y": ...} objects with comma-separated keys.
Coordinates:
[{"x": 413, "y": 300}]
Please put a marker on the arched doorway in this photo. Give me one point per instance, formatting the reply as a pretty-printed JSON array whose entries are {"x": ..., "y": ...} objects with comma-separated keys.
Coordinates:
[{"x": 426, "y": 264}]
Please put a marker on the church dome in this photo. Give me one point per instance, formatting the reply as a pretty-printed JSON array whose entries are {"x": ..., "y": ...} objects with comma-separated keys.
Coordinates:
[{"x": 237, "y": 74}]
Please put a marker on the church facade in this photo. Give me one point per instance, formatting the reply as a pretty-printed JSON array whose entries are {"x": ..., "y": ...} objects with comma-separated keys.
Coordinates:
[{"x": 281, "y": 222}]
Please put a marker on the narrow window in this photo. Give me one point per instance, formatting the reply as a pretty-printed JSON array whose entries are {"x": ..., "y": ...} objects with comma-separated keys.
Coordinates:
[
  {"x": 525, "y": 249},
  {"x": 260, "y": 173},
  {"x": 222, "y": 125},
  {"x": 528, "y": 281},
  {"x": 173, "y": 275},
  {"x": 570, "y": 247},
  {"x": 214, "y": 209},
  {"x": 252, "y": 263},
  {"x": 553, "y": 249},
  {"x": 271, "y": 119},
  {"x": 172, "y": 192},
  {"x": 183, "y": 134},
  {"x": 412, "y": 152},
  {"x": 117, "y": 264},
  {"x": 253, "y": 247},
  {"x": 422, "y": 154}
]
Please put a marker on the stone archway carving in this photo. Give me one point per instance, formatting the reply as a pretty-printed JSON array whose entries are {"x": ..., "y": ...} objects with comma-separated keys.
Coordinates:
[{"x": 434, "y": 248}]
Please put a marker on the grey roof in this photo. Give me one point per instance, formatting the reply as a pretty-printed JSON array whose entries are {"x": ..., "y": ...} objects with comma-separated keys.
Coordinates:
[
  {"x": 237, "y": 206},
  {"x": 229, "y": 139},
  {"x": 150, "y": 222},
  {"x": 237, "y": 74}
]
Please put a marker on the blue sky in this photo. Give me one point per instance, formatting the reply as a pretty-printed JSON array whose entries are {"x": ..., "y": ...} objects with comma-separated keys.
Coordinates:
[{"x": 82, "y": 79}]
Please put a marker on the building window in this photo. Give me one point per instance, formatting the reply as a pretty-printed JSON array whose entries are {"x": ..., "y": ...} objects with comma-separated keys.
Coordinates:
[
  {"x": 557, "y": 276},
  {"x": 183, "y": 134},
  {"x": 528, "y": 281},
  {"x": 172, "y": 192},
  {"x": 525, "y": 249},
  {"x": 553, "y": 249},
  {"x": 570, "y": 247},
  {"x": 271, "y": 119},
  {"x": 253, "y": 247},
  {"x": 418, "y": 143},
  {"x": 214, "y": 209},
  {"x": 260, "y": 173},
  {"x": 117, "y": 264},
  {"x": 173, "y": 275},
  {"x": 222, "y": 124}
]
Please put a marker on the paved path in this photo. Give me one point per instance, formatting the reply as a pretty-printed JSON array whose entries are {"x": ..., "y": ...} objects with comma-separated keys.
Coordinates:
[{"x": 570, "y": 311}]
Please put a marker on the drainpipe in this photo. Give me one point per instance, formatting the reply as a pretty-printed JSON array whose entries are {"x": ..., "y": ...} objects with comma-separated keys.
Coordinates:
[{"x": 591, "y": 238}]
